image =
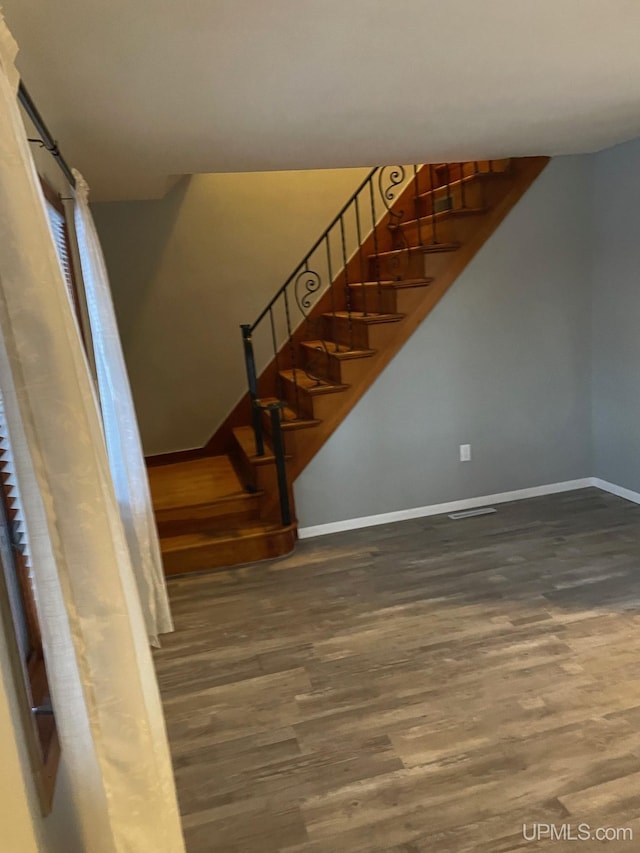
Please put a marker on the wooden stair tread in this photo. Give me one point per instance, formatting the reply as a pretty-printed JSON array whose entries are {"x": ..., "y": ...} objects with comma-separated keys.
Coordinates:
[
  {"x": 441, "y": 216},
  {"x": 309, "y": 385},
  {"x": 393, "y": 285},
  {"x": 359, "y": 317},
  {"x": 290, "y": 418},
  {"x": 439, "y": 247},
  {"x": 195, "y": 483},
  {"x": 441, "y": 189},
  {"x": 338, "y": 351},
  {"x": 425, "y": 248},
  {"x": 245, "y": 437}
]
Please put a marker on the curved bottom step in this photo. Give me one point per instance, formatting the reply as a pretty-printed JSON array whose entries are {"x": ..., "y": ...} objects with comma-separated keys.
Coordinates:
[{"x": 222, "y": 549}]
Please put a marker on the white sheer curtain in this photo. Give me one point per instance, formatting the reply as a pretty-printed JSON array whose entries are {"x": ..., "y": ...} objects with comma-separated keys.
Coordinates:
[
  {"x": 101, "y": 674},
  {"x": 120, "y": 426}
]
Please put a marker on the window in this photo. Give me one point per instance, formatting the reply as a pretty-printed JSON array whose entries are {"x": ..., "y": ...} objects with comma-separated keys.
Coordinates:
[
  {"x": 60, "y": 232},
  {"x": 18, "y": 601},
  {"x": 25, "y": 643}
]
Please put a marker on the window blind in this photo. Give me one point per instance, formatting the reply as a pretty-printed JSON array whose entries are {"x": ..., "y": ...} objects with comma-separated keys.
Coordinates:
[
  {"x": 59, "y": 232},
  {"x": 18, "y": 581}
]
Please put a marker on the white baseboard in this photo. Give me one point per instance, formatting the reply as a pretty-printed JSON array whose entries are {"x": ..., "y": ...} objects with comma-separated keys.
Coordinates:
[
  {"x": 619, "y": 491},
  {"x": 456, "y": 506}
]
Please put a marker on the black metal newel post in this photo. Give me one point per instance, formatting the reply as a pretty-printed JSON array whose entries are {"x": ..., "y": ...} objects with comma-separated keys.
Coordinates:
[
  {"x": 252, "y": 380},
  {"x": 281, "y": 465}
]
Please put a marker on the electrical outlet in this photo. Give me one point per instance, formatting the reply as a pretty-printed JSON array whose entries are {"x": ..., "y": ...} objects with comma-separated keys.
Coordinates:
[{"x": 465, "y": 453}]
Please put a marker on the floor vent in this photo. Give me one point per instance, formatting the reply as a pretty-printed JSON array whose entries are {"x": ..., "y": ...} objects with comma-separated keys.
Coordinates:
[{"x": 470, "y": 513}]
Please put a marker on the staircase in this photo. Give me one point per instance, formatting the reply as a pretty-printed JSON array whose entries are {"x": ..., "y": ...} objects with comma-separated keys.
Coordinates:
[{"x": 369, "y": 281}]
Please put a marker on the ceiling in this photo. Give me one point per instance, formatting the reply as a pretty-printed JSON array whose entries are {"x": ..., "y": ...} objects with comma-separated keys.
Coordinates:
[{"x": 136, "y": 92}]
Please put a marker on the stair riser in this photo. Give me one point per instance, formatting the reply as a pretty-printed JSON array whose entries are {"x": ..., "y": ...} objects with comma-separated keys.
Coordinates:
[
  {"x": 294, "y": 438},
  {"x": 318, "y": 363},
  {"x": 298, "y": 398},
  {"x": 176, "y": 527},
  {"x": 262, "y": 478},
  {"x": 190, "y": 519},
  {"x": 310, "y": 405},
  {"x": 436, "y": 263},
  {"x": 443, "y": 231},
  {"x": 338, "y": 329},
  {"x": 397, "y": 267},
  {"x": 473, "y": 197},
  {"x": 245, "y": 469},
  {"x": 322, "y": 366},
  {"x": 366, "y": 336},
  {"x": 384, "y": 302},
  {"x": 324, "y": 405},
  {"x": 401, "y": 301},
  {"x": 336, "y": 370},
  {"x": 352, "y": 369},
  {"x": 224, "y": 555},
  {"x": 294, "y": 441}
]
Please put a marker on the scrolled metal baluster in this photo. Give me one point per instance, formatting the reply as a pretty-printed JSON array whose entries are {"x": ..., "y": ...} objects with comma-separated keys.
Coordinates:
[
  {"x": 292, "y": 351},
  {"x": 376, "y": 248},
  {"x": 332, "y": 294},
  {"x": 363, "y": 277},
  {"x": 434, "y": 236},
  {"x": 347, "y": 289},
  {"x": 394, "y": 176},
  {"x": 417, "y": 202},
  {"x": 276, "y": 355},
  {"x": 311, "y": 281}
]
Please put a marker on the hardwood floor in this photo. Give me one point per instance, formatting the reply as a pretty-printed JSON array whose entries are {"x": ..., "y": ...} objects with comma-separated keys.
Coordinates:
[{"x": 430, "y": 685}]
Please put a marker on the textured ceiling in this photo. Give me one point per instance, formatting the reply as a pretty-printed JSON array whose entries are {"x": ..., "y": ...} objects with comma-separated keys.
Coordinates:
[{"x": 139, "y": 90}]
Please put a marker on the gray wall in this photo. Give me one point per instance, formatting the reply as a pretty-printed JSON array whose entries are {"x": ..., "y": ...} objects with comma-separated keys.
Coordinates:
[
  {"x": 616, "y": 316},
  {"x": 502, "y": 363}
]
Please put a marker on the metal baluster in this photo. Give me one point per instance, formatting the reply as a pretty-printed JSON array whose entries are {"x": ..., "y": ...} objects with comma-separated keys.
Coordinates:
[
  {"x": 463, "y": 191},
  {"x": 375, "y": 243},
  {"x": 363, "y": 277},
  {"x": 276, "y": 355},
  {"x": 252, "y": 379},
  {"x": 433, "y": 203},
  {"x": 346, "y": 282},
  {"x": 416, "y": 201},
  {"x": 490, "y": 167},
  {"x": 332, "y": 293},
  {"x": 292, "y": 353},
  {"x": 281, "y": 464},
  {"x": 448, "y": 174}
]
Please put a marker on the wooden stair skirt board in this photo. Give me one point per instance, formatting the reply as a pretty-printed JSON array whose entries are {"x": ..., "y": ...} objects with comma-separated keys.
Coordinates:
[{"x": 219, "y": 507}]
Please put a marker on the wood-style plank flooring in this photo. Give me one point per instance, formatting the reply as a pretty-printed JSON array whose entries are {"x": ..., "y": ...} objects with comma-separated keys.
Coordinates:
[{"x": 422, "y": 687}]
